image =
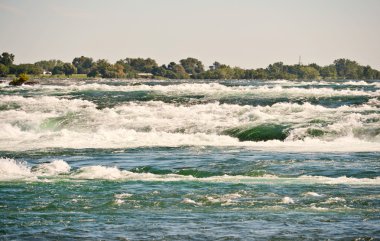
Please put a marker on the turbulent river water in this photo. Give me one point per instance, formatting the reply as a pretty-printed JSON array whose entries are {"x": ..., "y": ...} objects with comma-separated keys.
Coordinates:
[{"x": 190, "y": 160}]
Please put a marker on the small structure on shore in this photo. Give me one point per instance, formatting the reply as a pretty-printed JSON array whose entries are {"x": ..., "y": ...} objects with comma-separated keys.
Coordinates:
[{"x": 46, "y": 72}]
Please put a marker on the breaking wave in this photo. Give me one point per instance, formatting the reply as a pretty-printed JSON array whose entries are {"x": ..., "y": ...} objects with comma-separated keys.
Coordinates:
[
  {"x": 75, "y": 121},
  {"x": 11, "y": 170}
]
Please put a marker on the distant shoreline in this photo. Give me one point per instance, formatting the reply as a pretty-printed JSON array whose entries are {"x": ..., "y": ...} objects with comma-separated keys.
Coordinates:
[
  {"x": 189, "y": 68},
  {"x": 34, "y": 80}
]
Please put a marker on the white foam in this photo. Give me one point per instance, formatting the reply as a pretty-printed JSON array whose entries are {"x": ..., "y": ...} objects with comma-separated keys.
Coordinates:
[
  {"x": 123, "y": 195},
  {"x": 287, "y": 200},
  {"x": 312, "y": 194},
  {"x": 313, "y": 207},
  {"x": 218, "y": 89},
  {"x": 58, "y": 122},
  {"x": 335, "y": 200},
  {"x": 44, "y": 104},
  {"x": 11, "y": 169},
  {"x": 362, "y": 82},
  {"x": 323, "y": 83},
  {"x": 341, "y": 180},
  {"x": 119, "y": 201},
  {"x": 112, "y": 173},
  {"x": 78, "y": 124},
  {"x": 213, "y": 89},
  {"x": 226, "y": 199},
  {"x": 343, "y": 144},
  {"x": 98, "y": 172},
  {"x": 53, "y": 168},
  {"x": 190, "y": 201}
]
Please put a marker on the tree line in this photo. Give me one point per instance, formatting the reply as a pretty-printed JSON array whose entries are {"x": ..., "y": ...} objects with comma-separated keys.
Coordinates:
[{"x": 189, "y": 68}]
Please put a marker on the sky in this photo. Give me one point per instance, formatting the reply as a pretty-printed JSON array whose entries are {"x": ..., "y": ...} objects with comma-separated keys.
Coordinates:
[{"x": 244, "y": 33}]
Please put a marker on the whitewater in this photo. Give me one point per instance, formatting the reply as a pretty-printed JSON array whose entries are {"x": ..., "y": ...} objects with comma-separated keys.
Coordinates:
[{"x": 190, "y": 160}]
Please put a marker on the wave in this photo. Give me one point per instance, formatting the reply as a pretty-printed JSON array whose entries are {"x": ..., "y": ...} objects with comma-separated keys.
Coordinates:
[
  {"x": 216, "y": 88},
  {"x": 52, "y": 122},
  {"x": 287, "y": 200},
  {"x": 325, "y": 83},
  {"x": 121, "y": 138},
  {"x": 209, "y": 89},
  {"x": 111, "y": 96},
  {"x": 11, "y": 170},
  {"x": 55, "y": 167}
]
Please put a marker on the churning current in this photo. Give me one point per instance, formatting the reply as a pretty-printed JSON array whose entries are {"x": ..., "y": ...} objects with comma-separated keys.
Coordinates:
[{"x": 190, "y": 160}]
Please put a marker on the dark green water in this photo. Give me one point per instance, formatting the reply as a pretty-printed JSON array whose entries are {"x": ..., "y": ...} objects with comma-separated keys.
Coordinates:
[{"x": 227, "y": 160}]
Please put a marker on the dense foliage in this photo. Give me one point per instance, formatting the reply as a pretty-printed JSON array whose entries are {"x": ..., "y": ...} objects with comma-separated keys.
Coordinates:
[
  {"x": 49, "y": 65},
  {"x": 186, "y": 68},
  {"x": 20, "y": 80}
]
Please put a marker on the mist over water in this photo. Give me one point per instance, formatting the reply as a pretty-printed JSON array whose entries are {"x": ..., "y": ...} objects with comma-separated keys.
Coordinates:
[{"x": 182, "y": 160}]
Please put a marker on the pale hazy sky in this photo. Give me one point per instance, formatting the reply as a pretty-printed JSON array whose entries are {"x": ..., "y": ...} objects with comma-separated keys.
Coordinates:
[{"x": 246, "y": 33}]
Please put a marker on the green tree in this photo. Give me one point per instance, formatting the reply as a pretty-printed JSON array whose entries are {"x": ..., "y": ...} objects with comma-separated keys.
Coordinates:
[
  {"x": 192, "y": 66},
  {"x": 141, "y": 65},
  {"x": 238, "y": 73},
  {"x": 7, "y": 59},
  {"x": 223, "y": 72},
  {"x": 249, "y": 74},
  {"x": 4, "y": 70},
  {"x": 369, "y": 73},
  {"x": 329, "y": 72},
  {"x": 309, "y": 73},
  {"x": 26, "y": 69},
  {"x": 48, "y": 65},
  {"x": 167, "y": 72},
  {"x": 58, "y": 70},
  {"x": 159, "y": 71},
  {"x": 348, "y": 69},
  {"x": 180, "y": 72},
  {"x": 104, "y": 69},
  {"x": 216, "y": 65},
  {"x": 20, "y": 80},
  {"x": 93, "y": 72},
  {"x": 129, "y": 72},
  {"x": 100, "y": 68},
  {"x": 117, "y": 71},
  {"x": 261, "y": 74},
  {"x": 69, "y": 69},
  {"x": 176, "y": 71},
  {"x": 276, "y": 70},
  {"x": 171, "y": 66},
  {"x": 315, "y": 66},
  {"x": 83, "y": 64},
  {"x": 293, "y": 70}
]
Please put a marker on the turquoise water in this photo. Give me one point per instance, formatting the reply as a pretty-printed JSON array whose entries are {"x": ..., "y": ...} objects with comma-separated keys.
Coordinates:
[{"x": 159, "y": 160}]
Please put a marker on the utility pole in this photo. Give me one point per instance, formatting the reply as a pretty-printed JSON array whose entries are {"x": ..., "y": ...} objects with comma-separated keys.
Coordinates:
[{"x": 299, "y": 61}]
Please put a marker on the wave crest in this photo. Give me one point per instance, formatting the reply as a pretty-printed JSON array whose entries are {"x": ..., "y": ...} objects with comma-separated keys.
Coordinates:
[{"x": 11, "y": 169}]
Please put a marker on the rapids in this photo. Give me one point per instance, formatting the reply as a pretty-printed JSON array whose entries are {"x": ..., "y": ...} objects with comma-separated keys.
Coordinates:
[{"x": 190, "y": 160}]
